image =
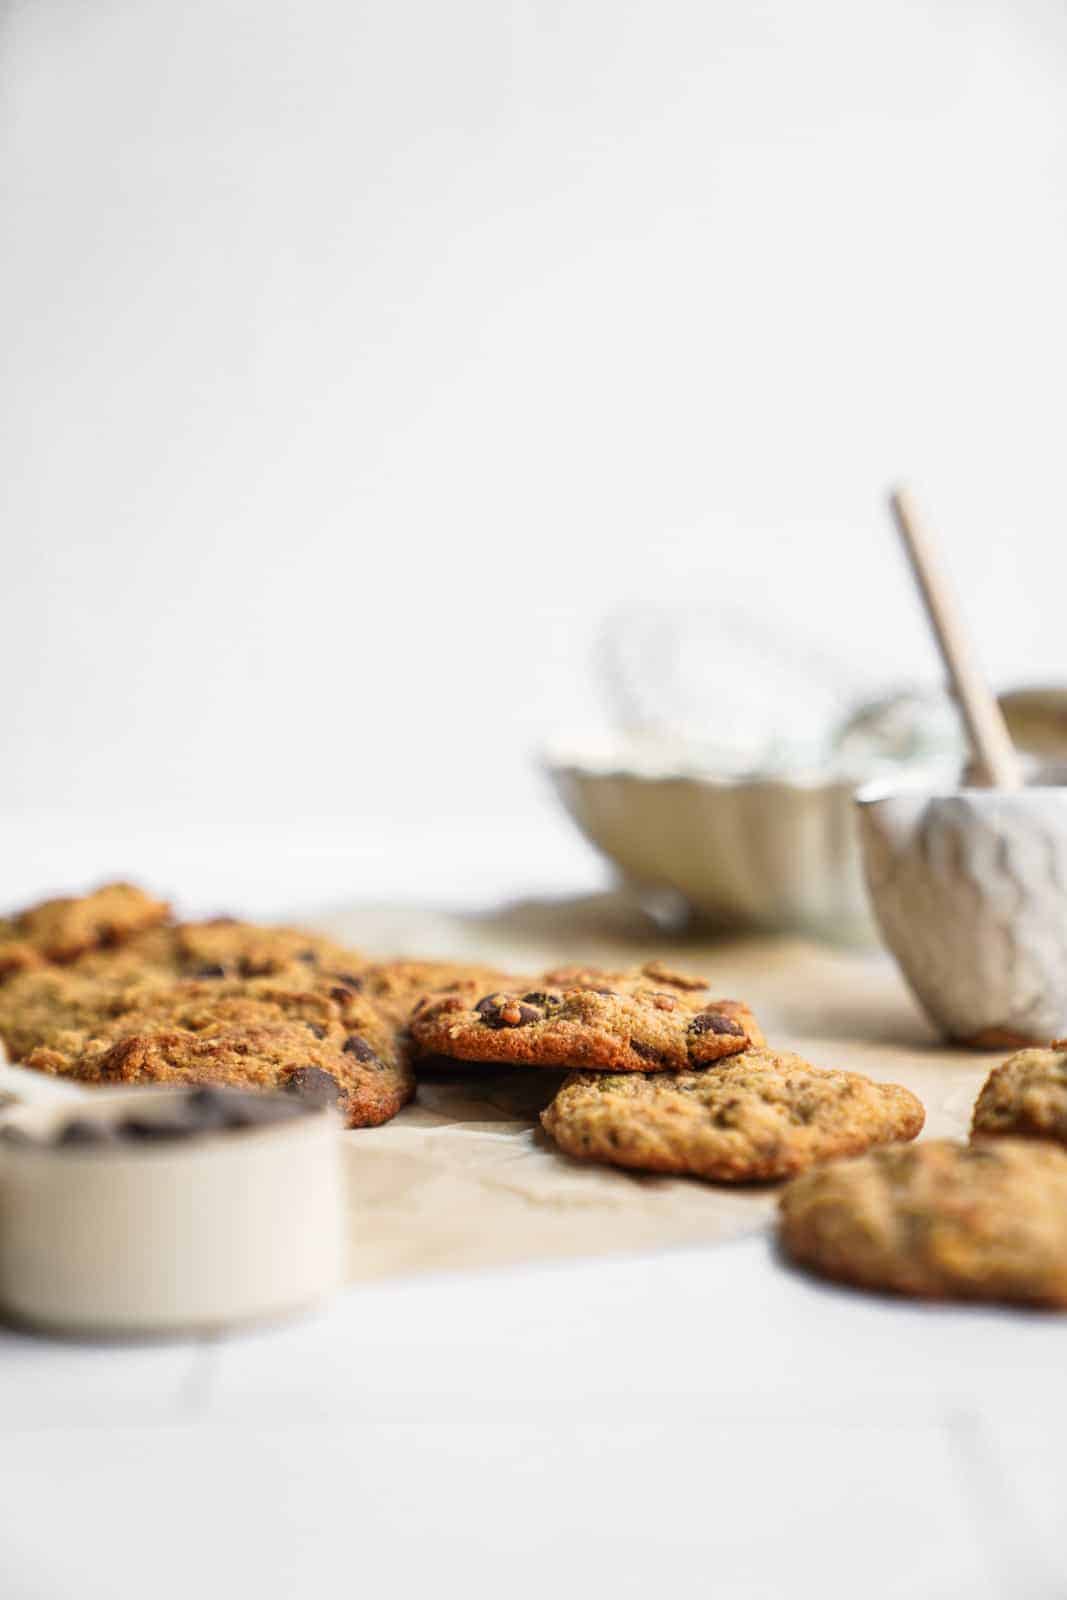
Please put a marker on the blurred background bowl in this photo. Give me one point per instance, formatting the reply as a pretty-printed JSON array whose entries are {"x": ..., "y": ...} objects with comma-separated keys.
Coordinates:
[
  {"x": 765, "y": 855},
  {"x": 766, "y": 852}
]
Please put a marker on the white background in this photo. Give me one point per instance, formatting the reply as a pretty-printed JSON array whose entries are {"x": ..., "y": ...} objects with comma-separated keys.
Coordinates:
[{"x": 358, "y": 360}]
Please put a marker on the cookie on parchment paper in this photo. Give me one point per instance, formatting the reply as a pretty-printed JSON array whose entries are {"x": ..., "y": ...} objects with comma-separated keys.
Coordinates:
[
  {"x": 1025, "y": 1097},
  {"x": 761, "y": 1115},
  {"x": 938, "y": 1220},
  {"x": 584, "y": 1018},
  {"x": 268, "y": 1037},
  {"x": 397, "y": 987},
  {"x": 63, "y": 929},
  {"x": 42, "y": 1004},
  {"x": 222, "y": 947}
]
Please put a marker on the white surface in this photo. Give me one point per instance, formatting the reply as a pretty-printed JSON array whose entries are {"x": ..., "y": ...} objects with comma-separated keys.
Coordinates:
[
  {"x": 359, "y": 358},
  {"x": 642, "y": 1425}
]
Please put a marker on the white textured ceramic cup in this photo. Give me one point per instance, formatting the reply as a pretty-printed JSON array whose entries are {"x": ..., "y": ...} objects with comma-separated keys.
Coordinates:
[
  {"x": 970, "y": 891},
  {"x": 161, "y": 1237}
]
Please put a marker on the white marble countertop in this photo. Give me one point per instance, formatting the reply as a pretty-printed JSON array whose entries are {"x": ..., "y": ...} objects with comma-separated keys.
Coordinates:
[{"x": 695, "y": 1420}]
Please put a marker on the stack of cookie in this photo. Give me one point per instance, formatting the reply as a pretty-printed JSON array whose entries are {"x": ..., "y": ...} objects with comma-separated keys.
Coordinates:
[
  {"x": 108, "y": 988},
  {"x": 946, "y": 1220},
  {"x": 669, "y": 1080}
]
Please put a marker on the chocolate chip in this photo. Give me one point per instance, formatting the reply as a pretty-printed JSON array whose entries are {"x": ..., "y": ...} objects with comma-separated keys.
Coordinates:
[
  {"x": 715, "y": 1022},
  {"x": 313, "y": 1027},
  {"x": 250, "y": 1109},
  {"x": 205, "y": 1110},
  {"x": 543, "y": 997},
  {"x": 502, "y": 1011},
  {"x": 153, "y": 1130},
  {"x": 210, "y": 1107},
  {"x": 315, "y": 1087},
  {"x": 356, "y": 1046},
  {"x": 310, "y": 956},
  {"x": 210, "y": 969},
  {"x": 80, "y": 1131},
  {"x": 647, "y": 1052},
  {"x": 349, "y": 979}
]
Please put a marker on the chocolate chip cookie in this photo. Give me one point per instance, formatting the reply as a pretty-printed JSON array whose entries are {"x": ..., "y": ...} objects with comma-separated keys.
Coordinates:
[
  {"x": 43, "y": 1005},
  {"x": 266, "y": 1037},
  {"x": 938, "y": 1220},
  {"x": 224, "y": 948},
  {"x": 16, "y": 953},
  {"x": 583, "y": 1017},
  {"x": 1026, "y": 1096},
  {"x": 764, "y": 1114},
  {"x": 396, "y": 987},
  {"x": 40, "y": 1004},
  {"x": 63, "y": 929}
]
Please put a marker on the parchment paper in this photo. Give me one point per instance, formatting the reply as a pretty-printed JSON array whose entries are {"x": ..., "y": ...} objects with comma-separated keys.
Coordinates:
[{"x": 465, "y": 1177}]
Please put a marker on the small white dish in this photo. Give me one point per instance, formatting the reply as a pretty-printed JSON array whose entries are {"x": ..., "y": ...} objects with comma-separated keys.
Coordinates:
[
  {"x": 177, "y": 1236},
  {"x": 969, "y": 887}
]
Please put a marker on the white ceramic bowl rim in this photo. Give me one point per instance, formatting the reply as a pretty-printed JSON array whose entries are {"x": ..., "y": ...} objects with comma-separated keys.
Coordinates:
[
  {"x": 805, "y": 781},
  {"x": 793, "y": 783},
  {"x": 892, "y": 789},
  {"x": 41, "y": 1118},
  {"x": 603, "y": 757}
]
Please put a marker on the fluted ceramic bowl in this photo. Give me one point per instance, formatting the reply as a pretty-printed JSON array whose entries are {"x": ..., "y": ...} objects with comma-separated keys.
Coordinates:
[{"x": 746, "y": 854}]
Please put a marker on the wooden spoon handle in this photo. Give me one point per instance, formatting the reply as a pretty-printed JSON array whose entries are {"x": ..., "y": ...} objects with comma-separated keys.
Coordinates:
[{"x": 995, "y": 759}]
